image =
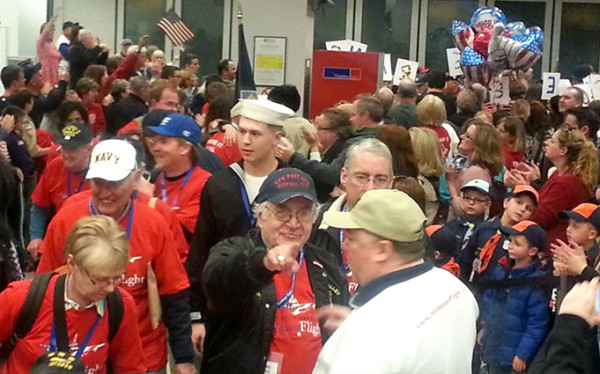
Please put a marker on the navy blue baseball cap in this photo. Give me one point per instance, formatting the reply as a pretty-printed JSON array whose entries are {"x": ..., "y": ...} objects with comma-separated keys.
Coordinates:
[
  {"x": 534, "y": 233},
  {"x": 179, "y": 126},
  {"x": 284, "y": 184}
]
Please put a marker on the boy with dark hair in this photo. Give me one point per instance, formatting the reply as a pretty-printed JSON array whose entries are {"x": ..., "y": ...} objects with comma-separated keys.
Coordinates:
[
  {"x": 515, "y": 323},
  {"x": 444, "y": 246},
  {"x": 487, "y": 244}
]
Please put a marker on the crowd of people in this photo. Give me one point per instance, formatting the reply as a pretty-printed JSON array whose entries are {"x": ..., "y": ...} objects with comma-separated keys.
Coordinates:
[{"x": 421, "y": 228}]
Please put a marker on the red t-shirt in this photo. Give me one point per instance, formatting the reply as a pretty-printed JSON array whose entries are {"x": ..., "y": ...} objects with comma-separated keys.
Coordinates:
[
  {"x": 184, "y": 199},
  {"x": 96, "y": 118},
  {"x": 228, "y": 154},
  {"x": 181, "y": 245},
  {"x": 151, "y": 242},
  {"x": 297, "y": 335},
  {"x": 124, "y": 351},
  {"x": 444, "y": 137},
  {"x": 53, "y": 187}
]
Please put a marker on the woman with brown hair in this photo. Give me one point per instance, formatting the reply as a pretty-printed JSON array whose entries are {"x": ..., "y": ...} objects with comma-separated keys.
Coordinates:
[
  {"x": 482, "y": 148},
  {"x": 397, "y": 139},
  {"x": 512, "y": 133},
  {"x": 576, "y": 161}
]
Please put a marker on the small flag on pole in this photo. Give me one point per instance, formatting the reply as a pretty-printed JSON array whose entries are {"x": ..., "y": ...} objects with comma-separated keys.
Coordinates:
[{"x": 174, "y": 28}]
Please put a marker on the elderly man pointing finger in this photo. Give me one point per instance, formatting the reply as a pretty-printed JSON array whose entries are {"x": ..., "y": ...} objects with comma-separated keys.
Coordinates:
[{"x": 263, "y": 289}]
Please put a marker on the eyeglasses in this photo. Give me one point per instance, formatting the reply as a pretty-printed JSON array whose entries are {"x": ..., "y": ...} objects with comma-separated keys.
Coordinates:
[
  {"x": 364, "y": 179},
  {"x": 474, "y": 200},
  {"x": 103, "y": 282},
  {"x": 284, "y": 215}
]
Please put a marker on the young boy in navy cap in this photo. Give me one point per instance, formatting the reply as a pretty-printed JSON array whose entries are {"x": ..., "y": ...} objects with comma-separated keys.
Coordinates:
[
  {"x": 487, "y": 244},
  {"x": 515, "y": 320},
  {"x": 444, "y": 246}
]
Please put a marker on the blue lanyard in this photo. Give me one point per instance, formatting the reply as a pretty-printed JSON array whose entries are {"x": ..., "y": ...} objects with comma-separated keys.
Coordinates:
[
  {"x": 163, "y": 187},
  {"x": 344, "y": 267},
  {"x": 281, "y": 302},
  {"x": 69, "y": 184},
  {"x": 83, "y": 344},
  {"x": 93, "y": 212},
  {"x": 246, "y": 201}
]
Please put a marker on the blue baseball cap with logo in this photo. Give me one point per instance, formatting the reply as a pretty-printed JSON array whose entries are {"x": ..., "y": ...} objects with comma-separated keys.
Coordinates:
[{"x": 179, "y": 126}]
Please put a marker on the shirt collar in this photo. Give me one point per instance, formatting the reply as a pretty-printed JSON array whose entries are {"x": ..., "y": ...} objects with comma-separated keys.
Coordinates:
[
  {"x": 370, "y": 290},
  {"x": 72, "y": 304}
]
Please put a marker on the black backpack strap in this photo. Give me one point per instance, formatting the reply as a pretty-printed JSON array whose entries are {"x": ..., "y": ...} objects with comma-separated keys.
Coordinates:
[
  {"x": 32, "y": 305},
  {"x": 60, "y": 319},
  {"x": 115, "y": 313}
]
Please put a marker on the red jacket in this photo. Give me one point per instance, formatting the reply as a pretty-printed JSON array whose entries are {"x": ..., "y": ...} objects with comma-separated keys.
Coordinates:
[
  {"x": 124, "y": 71},
  {"x": 96, "y": 118},
  {"x": 560, "y": 192}
]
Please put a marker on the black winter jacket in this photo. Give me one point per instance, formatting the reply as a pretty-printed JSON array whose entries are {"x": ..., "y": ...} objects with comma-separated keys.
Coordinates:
[
  {"x": 241, "y": 298},
  {"x": 222, "y": 215}
]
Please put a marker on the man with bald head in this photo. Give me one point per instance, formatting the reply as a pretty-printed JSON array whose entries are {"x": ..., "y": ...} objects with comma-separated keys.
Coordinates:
[{"x": 404, "y": 114}]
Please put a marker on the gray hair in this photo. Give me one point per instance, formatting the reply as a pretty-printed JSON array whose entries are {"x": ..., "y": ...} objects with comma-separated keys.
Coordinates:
[
  {"x": 407, "y": 89},
  {"x": 137, "y": 84},
  {"x": 86, "y": 33},
  {"x": 371, "y": 145}
]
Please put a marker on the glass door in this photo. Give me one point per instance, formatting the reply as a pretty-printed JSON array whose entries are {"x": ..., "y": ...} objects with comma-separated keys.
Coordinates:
[{"x": 576, "y": 39}]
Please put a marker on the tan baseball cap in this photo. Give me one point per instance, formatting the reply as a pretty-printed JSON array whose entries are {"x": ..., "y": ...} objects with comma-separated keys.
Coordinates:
[{"x": 390, "y": 214}]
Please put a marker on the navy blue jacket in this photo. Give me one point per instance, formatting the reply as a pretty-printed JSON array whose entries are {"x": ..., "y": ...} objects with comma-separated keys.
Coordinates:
[
  {"x": 516, "y": 319},
  {"x": 483, "y": 232}
]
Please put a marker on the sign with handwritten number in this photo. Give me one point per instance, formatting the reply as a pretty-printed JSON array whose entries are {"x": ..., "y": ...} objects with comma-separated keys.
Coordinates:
[
  {"x": 595, "y": 86},
  {"x": 550, "y": 85},
  {"x": 453, "y": 55},
  {"x": 500, "y": 93}
]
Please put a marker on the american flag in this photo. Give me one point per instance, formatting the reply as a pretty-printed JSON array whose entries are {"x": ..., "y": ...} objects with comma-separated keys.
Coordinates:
[{"x": 174, "y": 28}]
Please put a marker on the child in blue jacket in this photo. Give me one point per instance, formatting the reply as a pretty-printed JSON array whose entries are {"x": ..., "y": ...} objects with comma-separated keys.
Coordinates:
[{"x": 516, "y": 318}]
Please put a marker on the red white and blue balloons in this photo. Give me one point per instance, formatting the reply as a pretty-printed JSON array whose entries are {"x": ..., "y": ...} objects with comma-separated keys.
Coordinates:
[{"x": 490, "y": 45}]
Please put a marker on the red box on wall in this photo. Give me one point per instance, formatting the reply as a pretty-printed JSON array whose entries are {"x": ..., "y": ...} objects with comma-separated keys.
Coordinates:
[{"x": 341, "y": 76}]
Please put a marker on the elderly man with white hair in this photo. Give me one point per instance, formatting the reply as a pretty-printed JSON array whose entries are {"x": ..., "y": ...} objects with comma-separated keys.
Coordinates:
[{"x": 85, "y": 52}]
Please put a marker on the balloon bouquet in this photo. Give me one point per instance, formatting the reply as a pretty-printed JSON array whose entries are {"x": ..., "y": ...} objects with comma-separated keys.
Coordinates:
[{"x": 490, "y": 46}]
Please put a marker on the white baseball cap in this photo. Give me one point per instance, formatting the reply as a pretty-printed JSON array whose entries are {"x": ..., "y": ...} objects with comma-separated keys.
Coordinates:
[
  {"x": 265, "y": 111},
  {"x": 477, "y": 184},
  {"x": 112, "y": 160}
]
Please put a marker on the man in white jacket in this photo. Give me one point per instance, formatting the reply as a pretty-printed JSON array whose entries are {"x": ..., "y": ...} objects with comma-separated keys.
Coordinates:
[{"x": 408, "y": 316}]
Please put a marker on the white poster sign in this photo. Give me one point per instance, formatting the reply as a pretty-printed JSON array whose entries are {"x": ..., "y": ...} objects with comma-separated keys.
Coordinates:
[
  {"x": 269, "y": 60},
  {"x": 405, "y": 69},
  {"x": 453, "y": 55},
  {"x": 563, "y": 84},
  {"x": 550, "y": 85},
  {"x": 345, "y": 46},
  {"x": 595, "y": 86},
  {"x": 388, "y": 74},
  {"x": 500, "y": 93}
]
